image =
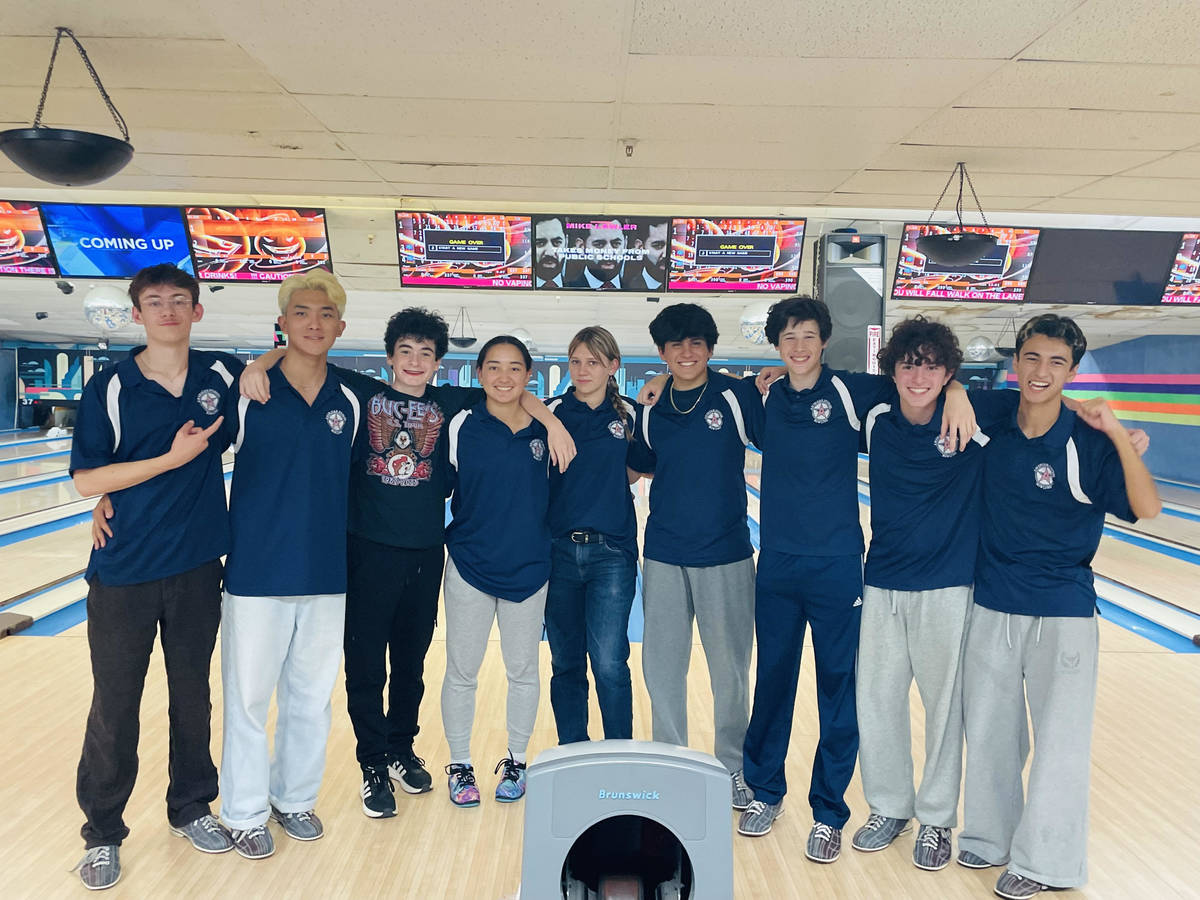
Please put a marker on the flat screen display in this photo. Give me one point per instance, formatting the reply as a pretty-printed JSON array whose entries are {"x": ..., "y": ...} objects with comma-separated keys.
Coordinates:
[
  {"x": 24, "y": 248},
  {"x": 1076, "y": 265},
  {"x": 1000, "y": 277},
  {"x": 254, "y": 244},
  {"x": 471, "y": 250},
  {"x": 115, "y": 241},
  {"x": 1184, "y": 284},
  {"x": 736, "y": 254},
  {"x": 585, "y": 253}
]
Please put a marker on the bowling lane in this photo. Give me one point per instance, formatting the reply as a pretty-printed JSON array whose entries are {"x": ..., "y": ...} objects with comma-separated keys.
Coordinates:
[
  {"x": 14, "y": 452},
  {"x": 16, "y": 469},
  {"x": 35, "y": 498},
  {"x": 27, "y": 439}
]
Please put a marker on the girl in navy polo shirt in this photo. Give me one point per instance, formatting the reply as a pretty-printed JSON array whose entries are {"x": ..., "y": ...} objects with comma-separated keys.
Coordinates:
[
  {"x": 593, "y": 561},
  {"x": 499, "y": 549}
]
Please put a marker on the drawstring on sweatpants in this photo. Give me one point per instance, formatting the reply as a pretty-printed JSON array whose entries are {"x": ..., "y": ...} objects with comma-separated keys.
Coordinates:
[
  {"x": 1038, "y": 640},
  {"x": 1008, "y": 629}
]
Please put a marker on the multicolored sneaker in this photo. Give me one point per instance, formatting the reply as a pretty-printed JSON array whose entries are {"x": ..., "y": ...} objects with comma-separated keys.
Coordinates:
[
  {"x": 461, "y": 782},
  {"x": 512, "y": 782}
]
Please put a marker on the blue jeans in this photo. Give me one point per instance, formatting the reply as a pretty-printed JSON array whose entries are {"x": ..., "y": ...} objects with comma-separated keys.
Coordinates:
[{"x": 587, "y": 615}]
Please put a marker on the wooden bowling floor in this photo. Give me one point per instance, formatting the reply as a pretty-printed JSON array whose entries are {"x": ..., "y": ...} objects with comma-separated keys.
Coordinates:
[{"x": 1145, "y": 778}]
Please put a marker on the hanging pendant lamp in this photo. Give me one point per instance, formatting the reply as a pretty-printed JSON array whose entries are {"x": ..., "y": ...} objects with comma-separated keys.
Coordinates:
[
  {"x": 63, "y": 155},
  {"x": 462, "y": 334},
  {"x": 961, "y": 247}
]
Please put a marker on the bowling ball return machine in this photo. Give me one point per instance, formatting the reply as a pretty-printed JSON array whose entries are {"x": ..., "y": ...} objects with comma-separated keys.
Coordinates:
[{"x": 627, "y": 820}]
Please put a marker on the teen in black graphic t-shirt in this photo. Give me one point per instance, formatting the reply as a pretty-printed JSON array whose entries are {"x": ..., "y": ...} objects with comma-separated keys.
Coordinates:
[{"x": 396, "y": 546}]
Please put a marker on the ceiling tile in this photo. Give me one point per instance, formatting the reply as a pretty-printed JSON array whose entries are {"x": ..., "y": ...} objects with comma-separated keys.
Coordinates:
[
  {"x": 1151, "y": 31},
  {"x": 987, "y": 184},
  {"x": 809, "y": 124},
  {"x": 1119, "y": 187},
  {"x": 702, "y": 180},
  {"x": 1046, "y": 161},
  {"x": 1177, "y": 165},
  {"x": 1084, "y": 129},
  {"x": 496, "y": 176},
  {"x": 480, "y": 150}
]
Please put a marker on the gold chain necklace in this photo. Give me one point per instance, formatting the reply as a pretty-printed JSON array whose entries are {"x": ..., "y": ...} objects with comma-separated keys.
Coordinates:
[{"x": 699, "y": 397}]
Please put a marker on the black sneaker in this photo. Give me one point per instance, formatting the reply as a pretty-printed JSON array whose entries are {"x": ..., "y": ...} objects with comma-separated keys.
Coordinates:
[
  {"x": 378, "y": 795},
  {"x": 408, "y": 770}
]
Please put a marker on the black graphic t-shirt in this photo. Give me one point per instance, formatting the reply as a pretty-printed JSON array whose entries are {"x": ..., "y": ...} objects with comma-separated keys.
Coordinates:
[{"x": 401, "y": 476}]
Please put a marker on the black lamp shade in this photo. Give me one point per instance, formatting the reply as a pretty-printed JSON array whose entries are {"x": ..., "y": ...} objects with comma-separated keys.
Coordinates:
[
  {"x": 958, "y": 248},
  {"x": 65, "y": 156}
]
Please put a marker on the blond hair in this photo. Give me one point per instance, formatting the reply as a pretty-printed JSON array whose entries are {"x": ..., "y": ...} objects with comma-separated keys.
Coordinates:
[
  {"x": 316, "y": 280},
  {"x": 602, "y": 344}
]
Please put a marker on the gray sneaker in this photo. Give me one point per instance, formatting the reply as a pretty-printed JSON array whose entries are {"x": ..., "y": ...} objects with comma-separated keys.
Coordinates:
[
  {"x": 100, "y": 867},
  {"x": 878, "y": 833},
  {"x": 1012, "y": 886},
  {"x": 757, "y": 818},
  {"x": 303, "y": 826},
  {"x": 973, "y": 860},
  {"x": 932, "y": 850},
  {"x": 206, "y": 834},
  {"x": 824, "y": 843},
  {"x": 742, "y": 795},
  {"x": 253, "y": 843}
]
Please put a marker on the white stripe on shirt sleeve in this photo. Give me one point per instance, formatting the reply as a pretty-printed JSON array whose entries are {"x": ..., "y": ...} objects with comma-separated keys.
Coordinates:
[
  {"x": 353, "y": 405},
  {"x": 554, "y": 404},
  {"x": 243, "y": 405},
  {"x": 646, "y": 427},
  {"x": 219, "y": 368},
  {"x": 844, "y": 393},
  {"x": 1073, "y": 473},
  {"x": 112, "y": 402},
  {"x": 455, "y": 425},
  {"x": 736, "y": 409},
  {"x": 874, "y": 413}
]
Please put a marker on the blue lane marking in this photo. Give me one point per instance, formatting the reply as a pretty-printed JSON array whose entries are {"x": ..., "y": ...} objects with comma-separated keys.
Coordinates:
[
  {"x": 17, "y": 430},
  {"x": 33, "y": 531},
  {"x": 32, "y": 456},
  {"x": 34, "y": 484},
  {"x": 37, "y": 440},
  {"x": 1151, "y": 544},
  {"x": 1151, "y": 631},
  {"x": 58, "y": 622},
  {"x": 1180, "y": 514},
  {"x": 1179, "y": 484},
  {"x": 38, "y": 593}
]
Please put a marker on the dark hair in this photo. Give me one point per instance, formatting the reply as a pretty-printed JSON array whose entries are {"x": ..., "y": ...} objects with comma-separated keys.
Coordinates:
[
  {"x": 162, "y": 274},
  {"x": 920, "y": 342},
  {"x": 1058, "y": 327},
  {"x": 496, "y": 342},
  {"x": 417, "y": 322},
  {"x": 799, "y": 309},
  {"x": 682, "y": 321}
]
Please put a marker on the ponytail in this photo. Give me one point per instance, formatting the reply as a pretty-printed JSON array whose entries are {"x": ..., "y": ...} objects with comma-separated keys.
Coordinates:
[{"x": 614, "y": 397}]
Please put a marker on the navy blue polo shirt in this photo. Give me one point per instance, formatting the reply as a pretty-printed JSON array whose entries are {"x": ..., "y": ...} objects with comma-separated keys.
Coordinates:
[
  {"x": 498, "y": 537},
  {"x": 287, "y": 505},
  {"x": 810, "y": 439},
  {"x": 176, "y": 521},
  {"x": 593, "y": 494},
  {"x": 698, "y": 457},
  {"x": 401, "y": 476},
  {"x": 925, "y": 496},
  {"x": 1044, "y": 501}
]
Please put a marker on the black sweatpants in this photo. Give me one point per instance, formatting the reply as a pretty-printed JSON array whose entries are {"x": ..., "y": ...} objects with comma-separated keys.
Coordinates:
[
  {"x": 391, "y": 608},
  {"x": 122, "y": 623}
]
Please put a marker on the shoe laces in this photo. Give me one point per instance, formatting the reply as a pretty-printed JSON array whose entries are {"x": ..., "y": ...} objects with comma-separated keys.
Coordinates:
[
  {"x": 251, "y": 833},
  {"x": 512, "y": 769},
  {"x": 929, "y": 837},
  {"x": 376, "y": 778},
  {"x": 464, "y": 774},
  {"x": 756, "y": 808},
  {"x": 209, "y": 824},
  {"x": 875, "y": 821},
  {"x": 301, "y": 816},
  {"x": 823, "y": 831},
  {"x": 95, "y": 857},
  {"x": 739, "y": 781},
  {"x": 409, "y": 757}
]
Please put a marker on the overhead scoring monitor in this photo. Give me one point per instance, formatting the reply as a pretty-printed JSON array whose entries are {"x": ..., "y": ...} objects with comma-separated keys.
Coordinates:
[
  {"x": 1000, "y": 276},
  {"x": 475, "y": 250},
  {"x": 736, "y": 254}
]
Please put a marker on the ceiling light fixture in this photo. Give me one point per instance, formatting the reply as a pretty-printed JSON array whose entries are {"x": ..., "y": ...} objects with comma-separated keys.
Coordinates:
[
  {"x": 63, "y": 155},
  {"x": 462, "y": 335},
  {"x": 959, "y": 247}
]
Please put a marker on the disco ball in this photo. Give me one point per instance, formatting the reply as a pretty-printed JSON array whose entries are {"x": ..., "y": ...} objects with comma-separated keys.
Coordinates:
[
  {"x": 980, "y": 349},
  {"x": 753, "y": 322},
  {"x": 107, "y": 307}
]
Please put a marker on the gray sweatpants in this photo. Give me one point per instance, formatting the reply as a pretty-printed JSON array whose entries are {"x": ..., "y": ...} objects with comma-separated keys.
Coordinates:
[
  {"x": 721, "y": 600},
  {"x": 907, "y": 635},
  {"x": 469, "y": 617},
  {"x": 1051, "y": 661}
]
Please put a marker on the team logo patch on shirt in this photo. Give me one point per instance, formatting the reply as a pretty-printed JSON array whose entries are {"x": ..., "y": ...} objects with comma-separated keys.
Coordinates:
[
  {"x": 1043, "y": 476},
  {"x": 714, "y": 419},
  {"x": 945, "y": 445},
  {"x": 616, "y": 428},
  {"x": 821, "y": 411},
  {"x": 209, "y": 400},
  {"x": 538, "y": 448},
  {"x": 336, "y": 419}
]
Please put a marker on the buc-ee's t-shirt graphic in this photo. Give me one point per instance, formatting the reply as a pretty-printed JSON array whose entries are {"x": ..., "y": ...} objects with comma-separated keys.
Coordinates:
[{"x": 402, "y": 435}]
